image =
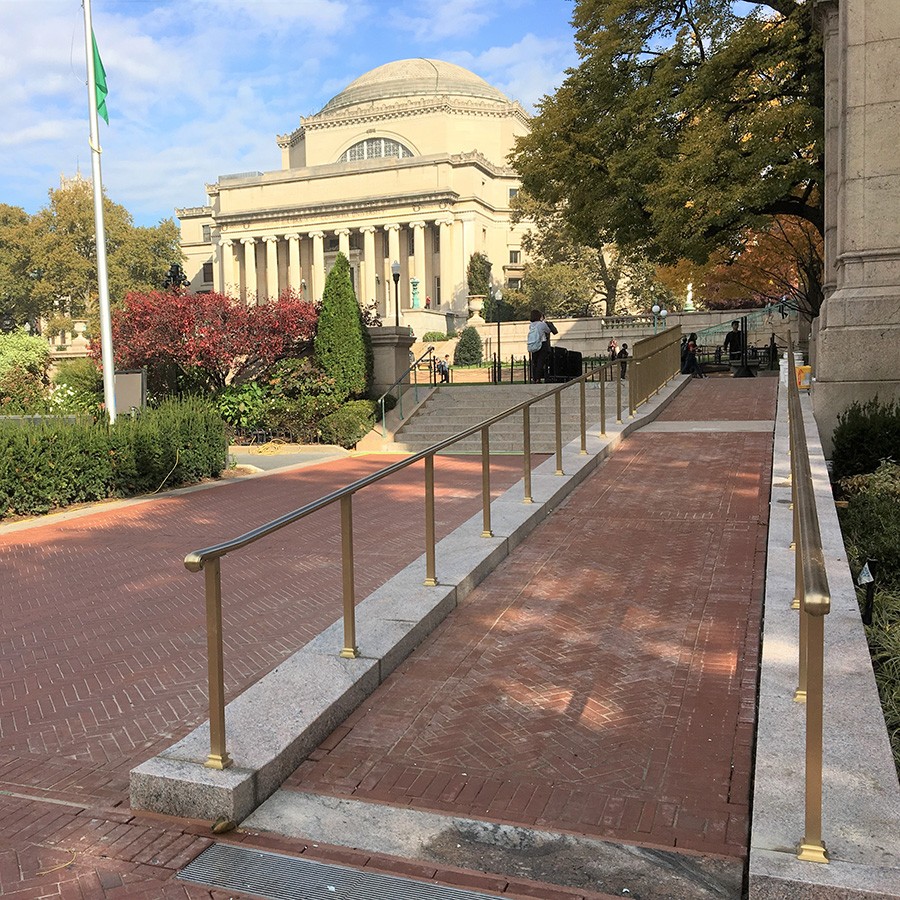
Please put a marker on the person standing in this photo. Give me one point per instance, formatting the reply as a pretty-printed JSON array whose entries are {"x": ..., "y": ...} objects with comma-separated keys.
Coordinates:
[
  {"x": 539, "y": 332},
  {"x": 734, "y": 343},
  {"x": 623, "y": 356}
]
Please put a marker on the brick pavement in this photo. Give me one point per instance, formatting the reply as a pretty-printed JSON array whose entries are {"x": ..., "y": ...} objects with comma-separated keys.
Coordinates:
[
  {"x": 594, "y": 683},
  {"x": 102, "y": 649},
  {"x": 603, "y": 679}
]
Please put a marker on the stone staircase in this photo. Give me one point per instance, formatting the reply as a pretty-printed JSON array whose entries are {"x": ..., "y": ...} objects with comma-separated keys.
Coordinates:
[{"x": 451, "y": 409}]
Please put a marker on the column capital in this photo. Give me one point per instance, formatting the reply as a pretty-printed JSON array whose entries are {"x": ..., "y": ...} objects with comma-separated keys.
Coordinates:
[
  {"x": 270, "y": 238},
  {"x": 420, "y": 224},
  {"x": 367, "y": 229},
  {"x": 226, "y": 242},
  {"x": 248, "y": 240},
  {"x": 293, "y": 236},
  {"x": 447, "y": 222},
  {"x": 340, "y": 231},
  {"x": 392, "y": 226},
  {"x": 317, "y": 234}
]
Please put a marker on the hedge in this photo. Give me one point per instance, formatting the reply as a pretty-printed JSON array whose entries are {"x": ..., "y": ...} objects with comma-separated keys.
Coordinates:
[{"x": 47, "y": 464}]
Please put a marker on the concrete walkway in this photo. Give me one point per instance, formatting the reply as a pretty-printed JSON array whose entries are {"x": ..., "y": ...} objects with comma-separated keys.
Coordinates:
[{"x": 594, "y": 697}]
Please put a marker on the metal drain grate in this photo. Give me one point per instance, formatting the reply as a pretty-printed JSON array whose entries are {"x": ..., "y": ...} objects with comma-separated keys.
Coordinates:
[{"x": 279, "y": 877}]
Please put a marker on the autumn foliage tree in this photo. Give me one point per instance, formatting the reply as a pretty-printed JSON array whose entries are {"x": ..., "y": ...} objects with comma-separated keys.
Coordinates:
[{"x": 206, "y": 341}]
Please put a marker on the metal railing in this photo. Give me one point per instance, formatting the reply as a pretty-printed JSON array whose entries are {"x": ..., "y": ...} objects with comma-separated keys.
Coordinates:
[
  {"x": 209, "y": 559},
  {"x": 813, "y": 600},
  {"x": 412, "y": 369},
  {"x": 655, "y": 360}
]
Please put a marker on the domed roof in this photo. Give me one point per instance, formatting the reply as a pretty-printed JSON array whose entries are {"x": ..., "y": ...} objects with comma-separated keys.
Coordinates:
[{"x": 413, "y": 78}]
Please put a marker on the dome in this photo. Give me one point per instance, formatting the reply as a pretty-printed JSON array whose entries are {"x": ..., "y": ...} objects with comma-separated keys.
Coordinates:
[{"x": 414, "y": 78}]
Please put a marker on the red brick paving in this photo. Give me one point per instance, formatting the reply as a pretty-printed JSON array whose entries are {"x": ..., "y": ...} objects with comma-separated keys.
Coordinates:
[
  {"x": 603, "y": 679},
  {"x": 595, "y": 683},
  {"x": 102, "y": 650}
]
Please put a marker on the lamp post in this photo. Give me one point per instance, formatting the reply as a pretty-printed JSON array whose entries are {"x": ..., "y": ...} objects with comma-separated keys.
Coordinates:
[
  {"x": 395, "y": 272},
  {"x": 659, "y": 312},
  {"x": 498, "y": 296}
]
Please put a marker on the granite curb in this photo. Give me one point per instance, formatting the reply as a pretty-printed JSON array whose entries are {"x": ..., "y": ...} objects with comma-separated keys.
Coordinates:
[{"x": 268, "y": 738}]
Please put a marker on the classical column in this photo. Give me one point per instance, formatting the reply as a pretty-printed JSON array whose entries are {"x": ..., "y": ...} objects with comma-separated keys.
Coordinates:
[
  {"x": 448, "y": 277},
  {"x": 293, "y": 261},
  {"x": 369, "y": 263},
  {"x": 224, "y": 269},
  {"x": 857, "y": 347},
  {"x": 418, "y": 249},
  {"x": 250, "y": 285},
  {"x": 318, "y": 265},
  {"x": 271, "y": 267},
  {"x": 343, "y": 235},
  {"x": 393, "y": 233}
]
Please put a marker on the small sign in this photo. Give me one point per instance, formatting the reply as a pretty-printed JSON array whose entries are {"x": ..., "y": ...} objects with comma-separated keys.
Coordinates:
[{"x": 865, "y": 577}]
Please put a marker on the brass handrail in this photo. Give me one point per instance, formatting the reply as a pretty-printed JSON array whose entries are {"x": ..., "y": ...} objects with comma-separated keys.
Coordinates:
[
  {"x": 412, "y": 368},
  {"x": 209, "y": 558},
  {"x": 812, "y": 589}
]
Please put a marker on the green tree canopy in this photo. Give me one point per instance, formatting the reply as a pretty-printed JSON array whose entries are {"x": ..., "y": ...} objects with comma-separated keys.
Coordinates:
[
  {"x": 684, "y": 124},
  {"x": 343, "y": 347},
  {"x": 60, "y": 249},
  {"x": 478, "y": 275}
]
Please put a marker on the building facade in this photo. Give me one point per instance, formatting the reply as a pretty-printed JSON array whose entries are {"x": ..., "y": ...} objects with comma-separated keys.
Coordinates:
[{"x": 407, "y": 164}]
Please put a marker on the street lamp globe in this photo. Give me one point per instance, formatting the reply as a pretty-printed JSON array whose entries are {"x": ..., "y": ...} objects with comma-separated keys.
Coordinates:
[{"x": 655, "y": 309}]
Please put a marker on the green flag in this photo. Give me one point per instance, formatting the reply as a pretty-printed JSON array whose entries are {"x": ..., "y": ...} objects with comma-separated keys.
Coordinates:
[{"x": 100, "y": 81}]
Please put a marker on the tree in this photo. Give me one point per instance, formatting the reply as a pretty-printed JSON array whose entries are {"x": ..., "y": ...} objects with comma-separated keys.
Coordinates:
[
  {"x": 205, "y": 341},
  {"x": 478, "y": 275},
  {"x": 343, "y": 346},
  {"x": 684, "y": 127},
  {"x": 63, "y": 254},
  {"x": 15, "y": 265},
  {"x": 469, "y": 350}
]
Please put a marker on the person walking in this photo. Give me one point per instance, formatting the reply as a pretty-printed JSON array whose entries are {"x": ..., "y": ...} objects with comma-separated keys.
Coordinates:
[
  {"x": 539, "y": 332},
  {"x": 734, "y": 343},
  {"x": 691, "y": 363}
]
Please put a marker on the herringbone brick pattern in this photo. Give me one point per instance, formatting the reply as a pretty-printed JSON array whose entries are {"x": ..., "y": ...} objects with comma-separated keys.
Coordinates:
[
  {"x": 603, "y": 678},
  {"x": 103, "y": 649}
]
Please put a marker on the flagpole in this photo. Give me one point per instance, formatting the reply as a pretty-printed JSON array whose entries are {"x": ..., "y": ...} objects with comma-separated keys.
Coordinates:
[{"x": 106, "y": 347}]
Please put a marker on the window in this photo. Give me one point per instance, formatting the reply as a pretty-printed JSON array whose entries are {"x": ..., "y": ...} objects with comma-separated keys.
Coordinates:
[
  {"x": 410, "y": 242},
  {"x": 331, "y": 244},
  {"x": 437, "y": 291},
  {"x": 375, "y": 148},
  {"x": 514, "y": 284},
  {"x": 515, "y": 257},
  {"x": 206, "y": 232},
  {"x": 207, "y": 273},
  {"x": 435, "y": 240},
  {"x": 513, "y": 192}
]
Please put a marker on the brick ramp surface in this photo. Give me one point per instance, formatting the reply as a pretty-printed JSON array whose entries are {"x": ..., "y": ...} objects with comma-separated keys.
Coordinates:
[
  {"x": 603, "y": 679},
  {"x": 103, "y": 650}
]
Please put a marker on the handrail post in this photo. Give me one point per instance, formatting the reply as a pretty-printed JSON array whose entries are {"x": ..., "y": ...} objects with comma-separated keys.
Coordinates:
[
  {"x": 430, "y": 570},
  {"x": 583, "y": 392},
  {"x": 602, "y": 401},
  {"x": 486, "y": 483},
  {"x": 811, "y": 848},
  {"x": 618, "y": 368},
  {"x": 633, "y": 388},
  {"x": 350, "y": 651},
  {"x": 218, "y": 755},
  {"x": 558, "y": 414},
  {"x": 526, "y": 453}
]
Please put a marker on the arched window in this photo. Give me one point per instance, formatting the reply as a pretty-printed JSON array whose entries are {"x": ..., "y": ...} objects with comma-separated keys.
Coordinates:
[{"x": 375, "y": 148}]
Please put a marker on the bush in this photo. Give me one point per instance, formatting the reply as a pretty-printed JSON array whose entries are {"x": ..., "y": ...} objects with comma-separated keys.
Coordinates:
[
  {"x": 871, "y": 521},
  {"x": 50, "y": 464},
  {"x": 21, "y": 392},
  {"x": 469, "y": 350},
  {"x": 77, "y": 387},
  {"x": 866, "y": 433},
  {"x": 243, "y": 405},
  {"x": 343, "y": 345},
  {"x": 435, "y": 337},
  {"x": 478, "y": 275},
  {"x": 349, "y": 424}
]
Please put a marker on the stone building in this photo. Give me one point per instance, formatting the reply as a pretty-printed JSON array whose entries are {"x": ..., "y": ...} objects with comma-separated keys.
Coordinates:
[{"x": 408, "y": 164}]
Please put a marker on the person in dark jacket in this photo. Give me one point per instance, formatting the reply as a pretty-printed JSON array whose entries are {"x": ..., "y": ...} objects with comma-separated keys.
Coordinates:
[{"x": 623, "y": 356}]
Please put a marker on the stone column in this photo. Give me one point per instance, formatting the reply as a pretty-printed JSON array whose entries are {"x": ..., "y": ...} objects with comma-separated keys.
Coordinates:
[
  {"x": 393, "y": 233},
  {"x": 369, "y": 263},
  {"x": 858, "y": 339},
  {"x": 447, "y": 274},
  {"x": 293, "y": 261},
  {"x": 224, "y": 268},
  {"x": 418, "y": 250},
  {"x": 343, "y": 235},
  {"x": 271, "y": 267},
  {"x": 318, "y": 265},
  {"x": 250, "y": 282}
]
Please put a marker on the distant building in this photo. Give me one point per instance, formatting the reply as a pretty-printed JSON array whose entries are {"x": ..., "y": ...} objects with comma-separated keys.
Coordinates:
[{"x": 408, "y": 163}]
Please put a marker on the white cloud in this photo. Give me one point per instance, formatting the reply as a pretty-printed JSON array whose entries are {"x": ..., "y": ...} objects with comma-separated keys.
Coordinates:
[{"x": 451, "y": 18}]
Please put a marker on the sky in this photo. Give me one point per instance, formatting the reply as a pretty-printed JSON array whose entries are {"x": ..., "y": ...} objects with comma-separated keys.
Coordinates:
[{"x": 201, "y": 88}]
